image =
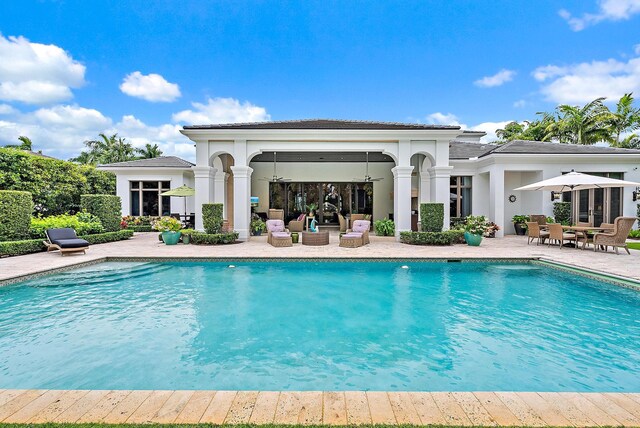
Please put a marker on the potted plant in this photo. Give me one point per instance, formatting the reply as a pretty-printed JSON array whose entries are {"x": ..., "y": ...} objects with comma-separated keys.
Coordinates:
[
  {"x": 186, "y": 235},
  {"x": 520, "y": 223},
  {"x": 385, "y": 227},
  {"x": 257, "y": 226},
  {"x": 492, "y": 228},
  {"x": 474, "y": 229},
  {"x": 169, "y": 229}
]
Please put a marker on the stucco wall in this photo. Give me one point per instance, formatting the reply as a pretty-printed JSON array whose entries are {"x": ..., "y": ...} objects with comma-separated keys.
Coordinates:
[{"x": 327, "y": 172}]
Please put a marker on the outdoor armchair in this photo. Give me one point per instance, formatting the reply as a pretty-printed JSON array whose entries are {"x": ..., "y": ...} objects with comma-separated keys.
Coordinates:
[
  {"x": 65, "y": 240},
  {"x": 277, "y": 234},
  {"x": 297, "y": 225},
  {"x": 621, "y": 228},
  {"x": 361, "y": 226},
  {"x": 534, "y": 232},
  {"x": 541, "y": 219},
  {"x": 557, "y": 234},
  {"x": 275, "y": 214}
]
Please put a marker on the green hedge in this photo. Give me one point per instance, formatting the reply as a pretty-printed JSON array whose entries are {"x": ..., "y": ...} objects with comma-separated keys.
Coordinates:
[
  {"x": 199, "y": 238},
  {"x": 448, "y": 237},
  {"x": 108, "y": 208},
  {"x": 83, "y": 223},
  {"x": 15, "y": 214},
  {"x": 55, "y": 185},
  {"x": 17, "y": 248},
  {"x": 562, "y": 212},
  {"x": 212, "y": 218},
  {"x": 432, "y": 217},
  {"x": 141, "y": 228}
]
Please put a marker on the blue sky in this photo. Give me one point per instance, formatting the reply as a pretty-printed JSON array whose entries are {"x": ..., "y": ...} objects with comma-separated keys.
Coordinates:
[{"x": 72, "y": 69}]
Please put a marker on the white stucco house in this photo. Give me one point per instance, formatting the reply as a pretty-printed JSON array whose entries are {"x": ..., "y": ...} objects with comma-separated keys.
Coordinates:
[{"x": 379, "y": 168}]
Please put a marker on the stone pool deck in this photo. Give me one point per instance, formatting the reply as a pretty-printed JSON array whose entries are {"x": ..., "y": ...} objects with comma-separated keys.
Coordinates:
[
  {"x": 328, "y": 408},
  {"x": 147, "y": 245}
]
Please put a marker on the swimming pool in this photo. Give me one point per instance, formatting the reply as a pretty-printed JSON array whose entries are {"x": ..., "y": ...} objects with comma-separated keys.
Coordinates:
[{"x": 293, "y": 325}]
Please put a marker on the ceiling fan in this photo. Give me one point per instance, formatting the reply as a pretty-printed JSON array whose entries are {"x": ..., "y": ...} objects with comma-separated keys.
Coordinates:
[
  {"x": 367, "y": 177},
  {"x": 275, "y": 178}
]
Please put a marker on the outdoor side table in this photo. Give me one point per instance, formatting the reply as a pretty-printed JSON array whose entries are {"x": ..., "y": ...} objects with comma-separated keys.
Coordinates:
[{"x": 315, "y": 238}]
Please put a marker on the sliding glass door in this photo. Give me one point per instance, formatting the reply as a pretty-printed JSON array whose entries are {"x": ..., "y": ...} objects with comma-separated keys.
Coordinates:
[{"x": 596, "y": 206}]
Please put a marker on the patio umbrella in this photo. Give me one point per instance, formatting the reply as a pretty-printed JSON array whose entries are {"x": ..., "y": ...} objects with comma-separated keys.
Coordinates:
[
  {"x": 577, "y": 181},
  {"x": 180, "y": 192}
]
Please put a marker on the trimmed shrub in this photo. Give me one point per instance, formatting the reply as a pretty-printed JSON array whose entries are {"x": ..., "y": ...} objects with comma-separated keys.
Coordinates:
[
  {"x": 141, "y": 228},
  {"x": 457, "y": 222},
  {"x": 562, "y": 212},
  {"x": 18, "y": 248},
  {"x": 212, "y": 218},
  {"x": 103, "y": 238},
  {"x": 107, "y": 208},
  {"x": 448, "y": 237},
  {"x": 15, "y": 214},
  {"x": 83, "y": 223},
  {"x": 385, "y": 227},
  {"x": 199, "y": 238},
  {"x": 638, "y": 214},
  {"x": 432, "y": 217}
]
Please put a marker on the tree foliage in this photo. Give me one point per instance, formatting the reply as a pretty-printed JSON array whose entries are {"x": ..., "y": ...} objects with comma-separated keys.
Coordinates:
[
  {"x": 592, "y": 123},
  {"x": 55, "y": 185},
  {"x": 111, "y": 149}
]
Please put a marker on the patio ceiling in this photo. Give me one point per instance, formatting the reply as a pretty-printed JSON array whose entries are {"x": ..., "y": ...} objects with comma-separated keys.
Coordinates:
[{"x": 322, "y": 157}]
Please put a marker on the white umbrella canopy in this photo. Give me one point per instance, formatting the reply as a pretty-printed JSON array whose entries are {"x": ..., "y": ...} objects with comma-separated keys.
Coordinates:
[{"x": 577, "y": 181}]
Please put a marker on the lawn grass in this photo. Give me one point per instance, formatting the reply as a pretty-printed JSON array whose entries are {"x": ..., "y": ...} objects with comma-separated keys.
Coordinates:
[{"x": 633, "y": 245}]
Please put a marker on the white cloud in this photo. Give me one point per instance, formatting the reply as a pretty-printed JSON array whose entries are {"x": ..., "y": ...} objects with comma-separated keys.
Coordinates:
[
  {"x": 439, "y": 118},
  {"x": 500, "y": 78},
  {"x": 636, "y": 49},
  {"x": 608, "y": 10},
  {"x": 222, "y": 110},
  {"x": 490, "y": 128},
  {"x": 584, "y": 82},
  {"x": 73, "y": 117},
  {"x": 151, "y": 87},
  {"x": 6, "y": 109},
  {"x": 34, "y": 73},
  {"x": 520, "y": 104}
]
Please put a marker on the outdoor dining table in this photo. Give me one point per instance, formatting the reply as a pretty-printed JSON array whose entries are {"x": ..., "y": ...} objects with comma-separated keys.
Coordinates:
[{"x": 585, "y": 231}]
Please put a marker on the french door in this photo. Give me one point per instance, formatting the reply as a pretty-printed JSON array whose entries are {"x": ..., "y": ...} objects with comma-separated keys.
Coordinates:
[{"x": 596, "y": 206}]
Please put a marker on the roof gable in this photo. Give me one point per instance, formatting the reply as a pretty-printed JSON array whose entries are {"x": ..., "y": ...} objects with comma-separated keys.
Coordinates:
[
  {"x": 324, "y": 124},
  {"x": 159, "y": 162}
]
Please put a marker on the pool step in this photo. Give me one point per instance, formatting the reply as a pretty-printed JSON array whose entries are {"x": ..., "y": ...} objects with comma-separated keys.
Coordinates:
[{"x": 100, "y": 276}]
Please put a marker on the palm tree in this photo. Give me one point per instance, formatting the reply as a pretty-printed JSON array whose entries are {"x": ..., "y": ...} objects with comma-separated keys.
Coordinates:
[
  {"x": 106, "y": 149},
  {"x": 625, "y": 119},
  {"x": 150, "y": 151},
  {"x": 580, "y": 125},
  {"x": 26, "y": 143}
]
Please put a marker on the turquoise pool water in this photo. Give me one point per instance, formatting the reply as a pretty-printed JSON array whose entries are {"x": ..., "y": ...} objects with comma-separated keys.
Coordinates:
[{"x": 320, "y": 326}]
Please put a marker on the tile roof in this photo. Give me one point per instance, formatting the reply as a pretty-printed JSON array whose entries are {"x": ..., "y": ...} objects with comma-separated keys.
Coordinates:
[
  {"x": 466, "y": 149},
  {"x": 539, "y": 147},
  {"x": 159, "y": 162},
  {"x": 323, "y": 124}
]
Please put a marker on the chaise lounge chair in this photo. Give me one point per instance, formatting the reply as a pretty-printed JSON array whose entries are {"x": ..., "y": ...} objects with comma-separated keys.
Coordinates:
[
  {"x": 360, "y": 227},
  {"x": 65, "y": 240},
  {"x": 277, "y": 234}
]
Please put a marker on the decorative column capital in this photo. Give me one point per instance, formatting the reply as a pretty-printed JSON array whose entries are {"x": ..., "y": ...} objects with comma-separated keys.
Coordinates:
[
  {"x": 440, "y": 171},
  {"x": 402, "y": 171},
  {"x": 241, "y": 171},
  {"x": 203, "y": 171}
]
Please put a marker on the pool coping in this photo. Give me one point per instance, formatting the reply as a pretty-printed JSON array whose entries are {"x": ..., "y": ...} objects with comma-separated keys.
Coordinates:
[{"x": 607, "y": 277}]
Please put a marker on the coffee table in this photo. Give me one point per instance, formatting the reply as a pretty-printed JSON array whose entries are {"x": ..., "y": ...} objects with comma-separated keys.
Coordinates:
[{"x": 315, "y": 238}]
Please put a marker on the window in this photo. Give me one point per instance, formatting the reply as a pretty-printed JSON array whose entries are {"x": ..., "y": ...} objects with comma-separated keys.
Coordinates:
[
  {"x": 146, "y": 199},
  {"x": 460, "y": 196}
]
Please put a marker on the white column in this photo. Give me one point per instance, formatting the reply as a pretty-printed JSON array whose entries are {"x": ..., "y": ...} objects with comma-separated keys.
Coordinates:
[
  {"x": 219, "y": 181},
  {"x": 242, "y": 200},
  {"x": 204, "y": 190},
  {"x": 496, "y": 199},
  {"x": 402, "y": 198},
  {"x": 440, "y": 189}
]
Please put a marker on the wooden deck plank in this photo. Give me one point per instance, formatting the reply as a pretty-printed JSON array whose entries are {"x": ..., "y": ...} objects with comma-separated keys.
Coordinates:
[
  {"x": 550, "y": 415},
  {"x": 521, "y": 409},
  {"x": 476, "y": 413},
  {"x": 403, "y": 409},
  {"x": 124, "y": 409},
  {"x": 80, "y": 407},
  {"x": 265, "y": 408},
  {"x": 592, "y": 411},
  {"x": 334, "y": 408},
  {"x": 34, "y": 407},
  {"x": 104, "y": 406},
  {"x": 497, "y": 409},
  {"x": 288, "y": 409},
  {"x": 625, "y": 402},
  {"x": 195, "y": 407},
  {"x": 311, "y": 408},
  {"x": 10, "y": 394},
  {"x": 66, "y": 400},
  {"x": 380, "y": 408},
  {"x": 149, "y": 407},
  {"x": 619, "y": 413},
  {"x": 241, "y": 408},
  {"x": 357, "y": 408},
  {"x": 427, "y": 408},
  {"x": 172, "y": 407},
  {"x": 568, "y": 410},
  {"x": 217, "y": 411},
  {"x": 18, "y": 402},
  {"x": 451, "y": 410}
]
